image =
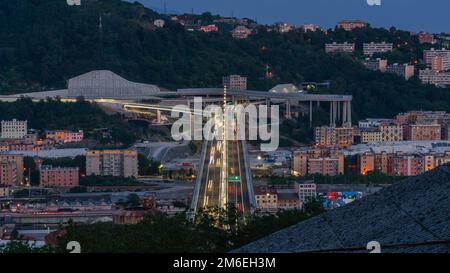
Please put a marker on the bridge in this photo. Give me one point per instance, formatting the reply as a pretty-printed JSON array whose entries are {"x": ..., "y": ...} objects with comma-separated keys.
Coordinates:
[{"x": 224, "y": 175}]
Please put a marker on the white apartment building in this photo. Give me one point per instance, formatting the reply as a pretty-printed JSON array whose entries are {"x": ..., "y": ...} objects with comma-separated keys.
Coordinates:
[
  {"x": 372, "y": 48},
  {"x": 13, "y": 129},
  {"x": 441, "y": 79},
  {"x": 340, "y": 47},
  {"x": 306, "y": 191}
]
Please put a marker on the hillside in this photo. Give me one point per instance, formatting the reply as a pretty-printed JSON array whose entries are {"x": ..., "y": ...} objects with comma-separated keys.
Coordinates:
[
  {"x": 411, "y": 216},
  {"x": 44, "y": 43}
]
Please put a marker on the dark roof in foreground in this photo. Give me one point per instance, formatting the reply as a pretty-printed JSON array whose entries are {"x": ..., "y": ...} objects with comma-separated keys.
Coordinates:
[{"x": 410, "y": 216}]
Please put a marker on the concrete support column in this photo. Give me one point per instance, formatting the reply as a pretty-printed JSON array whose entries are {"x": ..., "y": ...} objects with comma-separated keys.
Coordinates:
[
  {"x": 344, "y": 113},
  {"x": 331, "y": 114},
  {"x": 288, "y": 109},
  {"x": 349, "y": 113},
  {"x": 158, "y": 116},
  {"x": 310, "y": 113},
  {"x": 338, "y": 104}
]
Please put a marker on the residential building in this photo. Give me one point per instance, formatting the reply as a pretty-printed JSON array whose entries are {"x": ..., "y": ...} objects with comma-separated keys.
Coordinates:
[
  {"x": 437, "y": 64},
  {"x": 8, "y": 173},
  {"x": 304, "y": 161},
  {"x": 310, "y": 28},
  {"x": 306, "y": 191},
  {"x": 17, "y": 160},
  {"x": 333, "y": 136},
  {"x": 366, "y": 163},
  {"x": 405, "y": 71},
  {"x": 235, "y": 82},
  {"x": 391, "y": 132},
  {"x": 426, "y": 38},
  {"x": 344, "y": 136},
  {"x": 340, "y": 47},
  {"x": 441, "y": 79},
  {"x": 371, "y": 135},
  {"x": 65, "y": 136},
  {"x": 371, "y": 48},
  {"x": 300, "y": 163},
  {"x": 443, "y": 54},
  {"x": 376, "y": 65},
  {"x": 349, "y": 25},
  {"x": 372, "y": 122},
  {"x": 406, "y": 165},
  {"x": 288, "y": 201},
  {"x": 241, "y": 32},
  {"x": 209, "y": 28},
  {"x": 4, "y": 192},
  {"x": 59, "y": 177},
  {"x": 112, "y": 162},
  {"x": 14, "y": 129},
  {"x": 284, "y": 27},
  {"x": 324, "y": 166},
  {"x": 266, "y": 198},
  {"x": 422, "y": 132}
]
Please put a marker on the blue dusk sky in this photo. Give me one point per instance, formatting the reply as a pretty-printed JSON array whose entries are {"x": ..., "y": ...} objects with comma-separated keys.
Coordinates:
[{"x": 413, "y": 15}]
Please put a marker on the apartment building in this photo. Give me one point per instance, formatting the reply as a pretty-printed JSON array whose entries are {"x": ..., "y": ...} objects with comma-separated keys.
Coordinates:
[
  {"x": 441, "y": 79},
  {"x": 406, "y": 165},
  {"x": 350, "y": 25},
  {"x": 306, "y": 191},
  {"x": 307, "y": 162},
  {"x": 59, "y": 177},
  {"x": 326, "y": 136},
  {"x": 376, "y": 65},
  {"x": 426, "y": 38},
  {"x": 371, "y": 135},
  {"x": 442, "y": 54},
  {"x": 112, "y": 162},
  {"x": 13, "y": 129},
  {"x": 65, "y": 136},
  {"x": 326, "y": 166},
  {"x": 422, "y": 132},
  {"x": 266, "y": 198},
  {"x": 13, "y": 162},
  {"x": 391, "y": 132},
  {"x": 371, "y": 48},
  {"x": 8, "y": 173},
  {"x": 405, "y": 71},
  {"x": 235, "y": 82},
  {"x": 340, "y": 47}
]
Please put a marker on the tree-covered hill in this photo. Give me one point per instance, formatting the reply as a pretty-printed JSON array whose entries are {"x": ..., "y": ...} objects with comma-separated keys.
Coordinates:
[{"x": 44, "y": 43}]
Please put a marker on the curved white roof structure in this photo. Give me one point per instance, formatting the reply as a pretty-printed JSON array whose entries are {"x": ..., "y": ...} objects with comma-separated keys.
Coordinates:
[
  {"x": 285, "y": 88},
  {"x": 104, "y": 84}
]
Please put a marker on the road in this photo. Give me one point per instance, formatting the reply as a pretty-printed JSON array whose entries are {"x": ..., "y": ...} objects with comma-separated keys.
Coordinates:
[{"x": 223, "y": 179}]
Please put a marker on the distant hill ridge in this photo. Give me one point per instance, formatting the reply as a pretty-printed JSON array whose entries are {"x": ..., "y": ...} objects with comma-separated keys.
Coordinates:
[{"x": 45, "y": 43}]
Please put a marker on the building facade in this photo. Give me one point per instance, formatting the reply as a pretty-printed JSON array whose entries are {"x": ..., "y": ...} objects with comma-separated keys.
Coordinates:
[
  {"x": 441, "y": 79},
  {"x": 59, "y": 177},
  {"x": 349, "y": 25},
  {"x": 340, "y": 47},
  {"x": 122, "y": 163},
  {"x": 235, "y": 82},
  {"x": 405, "y": 71},
  {"x": 13, "y": 162},
  {"x": 442, "y": 54},
  {"x": 422, "y": 132},
  {"x": 371, "y": 48},
  {"x": 376, "y": 65},
  {"x": 14, "y": 129}
]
